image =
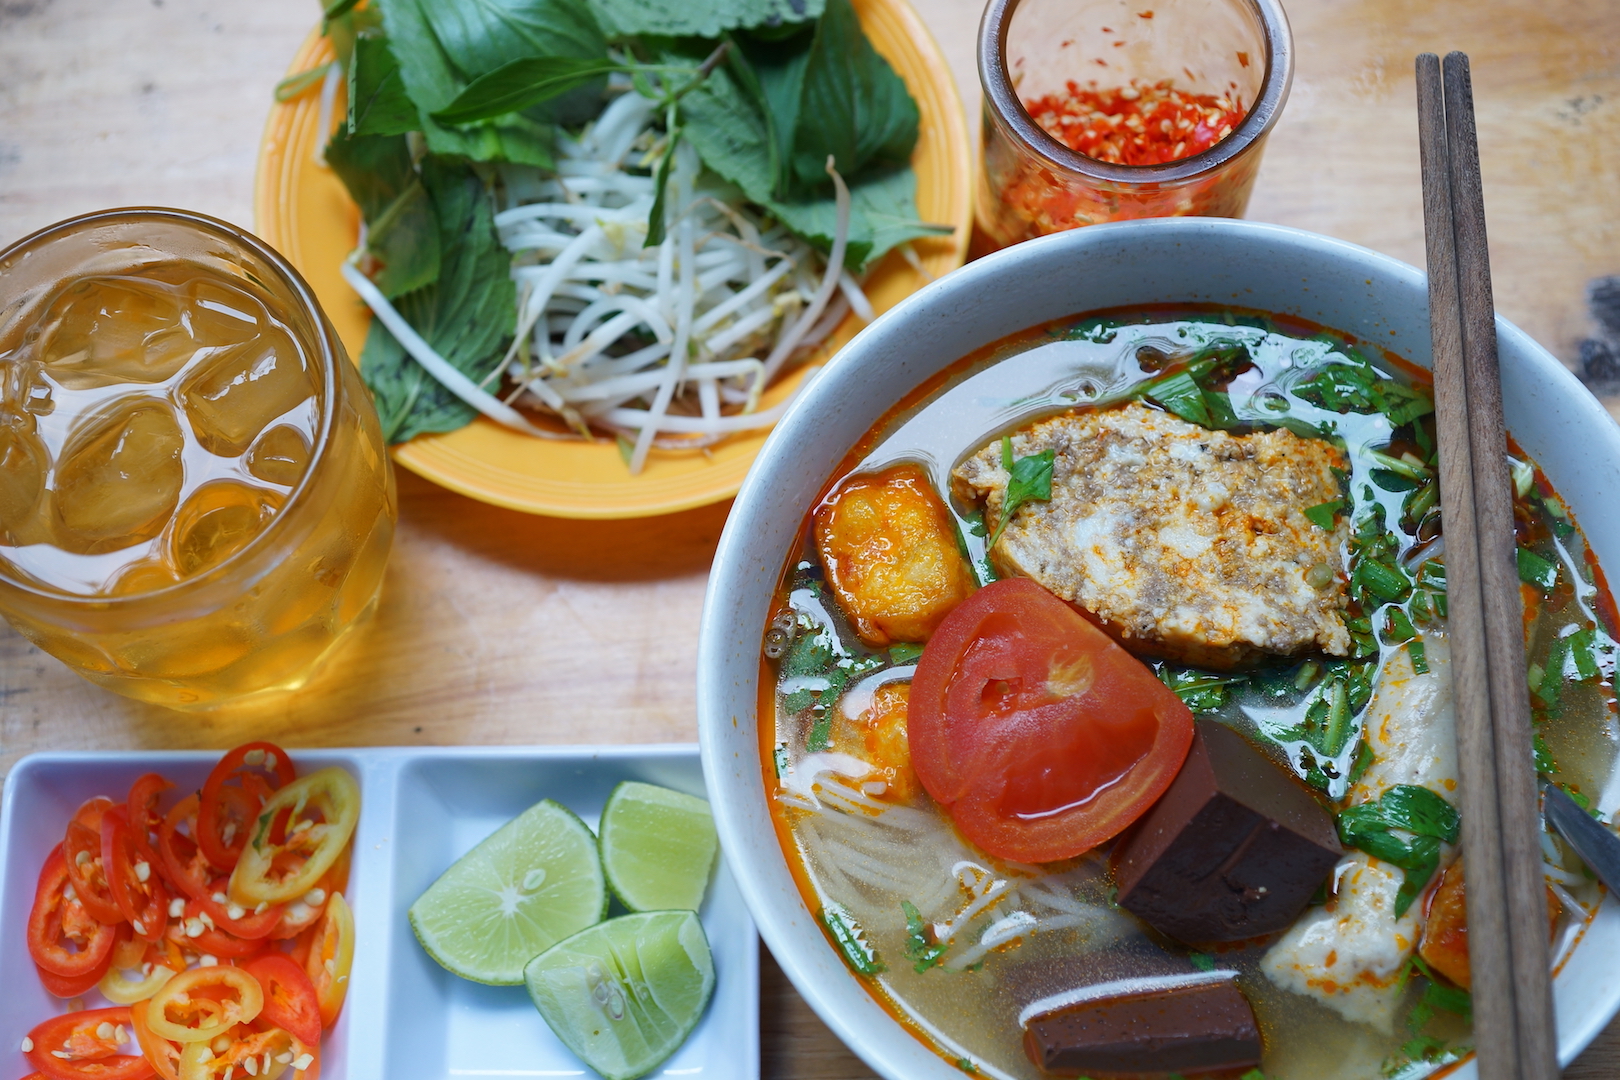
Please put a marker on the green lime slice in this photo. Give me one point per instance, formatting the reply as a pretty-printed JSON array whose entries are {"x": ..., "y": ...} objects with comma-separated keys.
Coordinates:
[
  {"x": 626, "y": 993},
  {"x": 529, "y": 884},
  {"x": 657, "y": 847}
]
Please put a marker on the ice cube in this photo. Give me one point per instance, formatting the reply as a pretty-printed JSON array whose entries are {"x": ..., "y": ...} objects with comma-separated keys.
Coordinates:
[
  {"x": 23, "y": 463},
  {"x": 236, "y": 393},
  {"x": 144, "y": 576},
  {"x": 221, "y": 314},
  {"x": 280, "y": 456},
  {"x": 119, "y": 478},
  {"x": 104, "y": 330},
  {"x": 218, "y": 520}
]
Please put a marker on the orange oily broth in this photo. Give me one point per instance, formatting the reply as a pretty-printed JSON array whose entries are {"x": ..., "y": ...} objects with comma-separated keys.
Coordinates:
[{"x": 972, "y": 1015}]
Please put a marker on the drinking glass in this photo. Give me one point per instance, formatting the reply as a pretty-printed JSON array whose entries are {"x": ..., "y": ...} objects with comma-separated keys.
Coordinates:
[
  {"x": 1031, "y": 184},
  {"x": 196, "y": 505}
]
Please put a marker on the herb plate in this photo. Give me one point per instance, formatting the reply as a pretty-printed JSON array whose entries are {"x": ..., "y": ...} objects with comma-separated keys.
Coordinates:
[
  {"x": 421, "y": 809},
  {"x": 302, "y": 210}
]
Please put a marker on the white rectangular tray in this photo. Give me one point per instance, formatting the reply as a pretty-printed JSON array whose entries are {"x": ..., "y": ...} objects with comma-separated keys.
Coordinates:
[{"x": 421, "y": 809}]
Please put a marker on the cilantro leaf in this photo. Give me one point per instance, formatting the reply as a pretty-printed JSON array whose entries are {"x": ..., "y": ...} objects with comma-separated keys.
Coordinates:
[
  {"x": 1323, "y": 515},
  {"x": 847, "y": 934},
  {"x": 1029, "y": 479},
  {"x": 522, "y": 84},
  {"x": 1371, "y": 827},
  {"x": 920, "y": 946}
]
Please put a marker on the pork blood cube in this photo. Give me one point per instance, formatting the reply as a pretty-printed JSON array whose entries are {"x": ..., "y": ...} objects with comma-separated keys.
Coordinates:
[
  {"x": 1196, "y": 1027},
  {"x": 1233, "y": 850}
]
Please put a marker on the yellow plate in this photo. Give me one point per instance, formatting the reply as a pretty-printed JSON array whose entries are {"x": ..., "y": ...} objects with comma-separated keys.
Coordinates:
[{"x": 302, "y": 209}]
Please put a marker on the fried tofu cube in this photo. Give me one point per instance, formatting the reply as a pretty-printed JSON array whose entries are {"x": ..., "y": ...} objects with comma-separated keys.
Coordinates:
[
  {"x": 878, "y": 737},
  {"x": 1181, "y": 542},
  {"x": 889, "y": 550}
]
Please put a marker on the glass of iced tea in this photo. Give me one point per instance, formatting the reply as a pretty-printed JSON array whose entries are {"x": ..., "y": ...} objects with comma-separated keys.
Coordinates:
[{"x": 195, "y": 501}]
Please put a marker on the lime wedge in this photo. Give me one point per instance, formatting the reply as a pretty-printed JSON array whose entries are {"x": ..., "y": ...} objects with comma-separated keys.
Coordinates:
[
  {"x": 626, "y": 993},
  {"x": 529, "y": 884},
  {"x": 657, "y": 847}
]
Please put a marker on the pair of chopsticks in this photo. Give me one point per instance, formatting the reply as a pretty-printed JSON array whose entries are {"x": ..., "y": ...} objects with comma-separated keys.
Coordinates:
[{"x": 1514, "y": 1036}]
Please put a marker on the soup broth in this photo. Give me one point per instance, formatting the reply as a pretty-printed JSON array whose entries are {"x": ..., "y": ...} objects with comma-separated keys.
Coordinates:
[{"x": 957, "y": 943}]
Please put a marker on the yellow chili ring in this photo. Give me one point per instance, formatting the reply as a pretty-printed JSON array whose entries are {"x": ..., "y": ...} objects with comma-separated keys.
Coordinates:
[
  {"x": 272, "y": 873},
  {"x": 272, "y": 1052},
  {"x": 331, "y": 956},
  {"x": 174, "y": 1013}
]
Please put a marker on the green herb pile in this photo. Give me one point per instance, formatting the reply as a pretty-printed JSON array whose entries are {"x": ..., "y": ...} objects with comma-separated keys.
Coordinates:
[{"x": 445, "y": 94}]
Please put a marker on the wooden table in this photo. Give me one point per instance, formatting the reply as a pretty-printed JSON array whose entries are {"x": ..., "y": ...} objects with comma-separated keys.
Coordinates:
[{"x": 501, "y": 628}]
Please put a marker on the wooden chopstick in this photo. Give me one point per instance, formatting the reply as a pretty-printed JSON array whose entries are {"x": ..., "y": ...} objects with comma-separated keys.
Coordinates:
[{"x": 1514, "y": 1035}]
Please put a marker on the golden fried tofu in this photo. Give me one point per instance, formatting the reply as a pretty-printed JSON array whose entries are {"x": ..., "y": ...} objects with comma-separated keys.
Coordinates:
[
  {"x": 878, "y": 737},
  {"x": 889, "y": 549},
  {"x": 1182, "y": 542}
]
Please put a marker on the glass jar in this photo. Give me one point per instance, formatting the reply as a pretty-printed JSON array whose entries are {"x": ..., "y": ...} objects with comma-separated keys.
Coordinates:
[
  {"x": 196, "y": 505},
  {"x": 1235, "y": 52}
]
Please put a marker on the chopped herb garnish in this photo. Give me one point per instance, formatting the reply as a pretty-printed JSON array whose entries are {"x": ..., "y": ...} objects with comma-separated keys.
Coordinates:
[
  {"x": 904, "y": 653},
  {"x": 851, "y": 941},
  {"x": 1534, "y": 570},
  {"x": 1029, "y": 479},
  {"x": 1323, "y": 515},
  {"x": 1545, "y": 762},
  {"x": 1202, "y": 961},
  {"x": 1201, "y": 691},
  {"x": 1361, "y": 763},
  {"x": 1371, "y": 826},
  {"x": 921, "y": 948}
]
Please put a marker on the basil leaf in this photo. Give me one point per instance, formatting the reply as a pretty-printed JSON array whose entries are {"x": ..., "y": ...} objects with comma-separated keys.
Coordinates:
[
  {"x": 338, "y": 8},
  {"x": 378, "y": 104},
  {"x": 700, "y": 18},
  {"x": 521, "y": 84},
  {"x": 479, "y": 39},
  {"x": 730, "y": 133},
  {"x": 853, "y": 106},
  {"x": 402, "y": 234},
  {"x": 772, "y": 73},
  {"x": 1369, "y": 826},
  {"x": 465, "y": 314}
]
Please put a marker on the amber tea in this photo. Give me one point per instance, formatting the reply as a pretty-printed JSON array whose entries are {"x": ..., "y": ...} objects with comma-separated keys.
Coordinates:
[{"x": 195, "y": 504}]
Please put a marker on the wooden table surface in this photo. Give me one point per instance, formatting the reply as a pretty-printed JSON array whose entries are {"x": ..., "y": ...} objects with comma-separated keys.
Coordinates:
[{"x": 497, "y": 627}]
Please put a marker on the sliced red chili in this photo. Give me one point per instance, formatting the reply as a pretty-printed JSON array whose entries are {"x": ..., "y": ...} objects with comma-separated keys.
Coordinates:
[
  {"x": 185, "y": 865},
  {"x": 227, "y": 810},
  {"x": 289, "y": 997},
  {"x": 86, "y": 871},
  {"x": 62, "y": 937},
  {"x": 72, "y": 1047},
  {"x": 1142, "y": 124},
  {"x": 211, "y": 940},
  {"x": 134, "y": 881},
  {"x": 144, "y": 819},
  {"x": 63, "y": 987}
]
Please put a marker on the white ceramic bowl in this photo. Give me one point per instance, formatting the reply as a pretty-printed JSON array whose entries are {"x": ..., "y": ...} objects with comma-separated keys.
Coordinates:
[{"x": 1173, "y": 260}]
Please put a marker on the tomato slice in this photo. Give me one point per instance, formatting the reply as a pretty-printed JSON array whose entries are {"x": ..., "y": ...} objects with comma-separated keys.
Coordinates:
[
  {"x": 330, "y": 958},
  {"x": 298, "y": 837},
  {"x": 289, "y": 997},
  {"x": 134, "y": 881},
  {"x": 164, "y": 1054},
  {"x": 226, "y": 811},
  {"x": 204, "y": 1003},
  {"x": 62, "y": 938},
  {"x": 84, "y": 1045},
  {"x": 1038, "y": 733},
  {"x": 185, "y": 865}
]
